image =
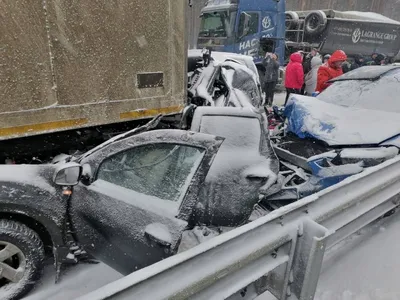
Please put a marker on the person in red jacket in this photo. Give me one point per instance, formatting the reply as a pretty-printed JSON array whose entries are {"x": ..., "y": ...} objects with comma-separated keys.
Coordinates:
[
  {"x": 330, "y": 70},
  {"x": 294, "y": 75}
]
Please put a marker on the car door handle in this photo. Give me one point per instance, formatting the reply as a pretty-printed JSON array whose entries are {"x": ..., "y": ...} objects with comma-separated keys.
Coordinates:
[
  {"x": 159, "y": 234},
  {"x": 254, "y": 177}
]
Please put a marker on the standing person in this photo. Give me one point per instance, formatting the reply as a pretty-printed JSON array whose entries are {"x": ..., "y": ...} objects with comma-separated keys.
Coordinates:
[
  {"x": 271, "y": 65},
  {"x": 311, "y": 77},
  {"x": 307, "y": 64},
  {"x": 307, "y": 61},
  {"x": 346, "y": 67},
  {"x": 326, "y": 58},
  {"x": 331, "y": 70},
  {"x": 294, "y": 75},
  {"x": 358, "y": 62},
  {"x": 378, "y": 59}
]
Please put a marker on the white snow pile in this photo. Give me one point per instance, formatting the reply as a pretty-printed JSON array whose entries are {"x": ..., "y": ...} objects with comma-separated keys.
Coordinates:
[
  {"x": 74, "y": 282},
  {"x": 366, "y": 16},
  {"x": 25, "y": 174}
]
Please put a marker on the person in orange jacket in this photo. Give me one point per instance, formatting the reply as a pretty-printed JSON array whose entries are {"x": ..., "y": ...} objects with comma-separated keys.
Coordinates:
[{"x": 330, "y": 70}]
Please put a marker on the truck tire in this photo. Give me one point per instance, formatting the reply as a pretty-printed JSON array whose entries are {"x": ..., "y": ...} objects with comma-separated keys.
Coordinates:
[
  {"x": 315, "y": 22},
  {"x": 21, "y": 259},
  {"x": 291, "y": 20}
]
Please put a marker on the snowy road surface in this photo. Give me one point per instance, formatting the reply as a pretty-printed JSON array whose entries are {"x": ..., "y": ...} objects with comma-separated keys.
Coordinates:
[
  {"x": 76, "y": 281},
  {"x": 279, "y": 99},
  {"x": 366, "y": 266}
]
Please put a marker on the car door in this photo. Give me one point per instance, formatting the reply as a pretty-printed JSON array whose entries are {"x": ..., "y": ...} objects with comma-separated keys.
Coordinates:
[{"x": 140, "y": 196}]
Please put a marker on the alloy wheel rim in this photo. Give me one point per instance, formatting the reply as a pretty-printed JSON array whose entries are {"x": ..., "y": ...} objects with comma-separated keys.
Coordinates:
[{"x": 12, "y": 263}]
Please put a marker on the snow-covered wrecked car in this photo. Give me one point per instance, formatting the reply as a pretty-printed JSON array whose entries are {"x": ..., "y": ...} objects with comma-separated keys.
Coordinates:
[
  {"x": 130, "y": 201},
  {"x": 223, "y": 79},
  {"x": 353, "y": 124}
]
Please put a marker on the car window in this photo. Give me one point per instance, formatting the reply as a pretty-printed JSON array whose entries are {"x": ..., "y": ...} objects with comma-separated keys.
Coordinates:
[
  {"x": 253, "y": 26},
  {"x": 375, "y": 95},
  {"x": 239, "y": 132},
  {"x": 160, "y": 170}
]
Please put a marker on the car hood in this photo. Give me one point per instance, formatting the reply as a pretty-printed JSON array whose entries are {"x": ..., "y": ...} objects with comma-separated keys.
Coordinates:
[
  {"x": 337, "y": 125},
  {"x": 38, "y": 176}
]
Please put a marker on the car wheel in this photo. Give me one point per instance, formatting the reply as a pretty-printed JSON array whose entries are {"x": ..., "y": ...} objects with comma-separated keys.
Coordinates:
[{"x": 21, "y": 259}]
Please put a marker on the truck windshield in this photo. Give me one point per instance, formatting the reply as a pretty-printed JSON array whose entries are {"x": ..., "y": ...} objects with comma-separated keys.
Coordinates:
[{"x": 216, "y": 24}]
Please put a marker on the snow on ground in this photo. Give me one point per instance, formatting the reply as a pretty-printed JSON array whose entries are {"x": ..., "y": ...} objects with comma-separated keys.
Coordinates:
[
  {"x": 75, "y": 281},
  {"x": 363, "y": 267},
  {"x": 279, "y": 99}
]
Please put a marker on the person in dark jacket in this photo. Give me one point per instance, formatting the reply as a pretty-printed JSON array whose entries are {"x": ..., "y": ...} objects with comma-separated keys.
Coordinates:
[
  {"x": 358, "y": 62},
  {"x": 346, "y": 67},
  {"x": 378, "y": 59},
  {"x": 271, "y": 65}
]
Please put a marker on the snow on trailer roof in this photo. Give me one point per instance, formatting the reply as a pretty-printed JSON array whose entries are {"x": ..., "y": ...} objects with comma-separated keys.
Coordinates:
[{"x": 353, "y": 15}]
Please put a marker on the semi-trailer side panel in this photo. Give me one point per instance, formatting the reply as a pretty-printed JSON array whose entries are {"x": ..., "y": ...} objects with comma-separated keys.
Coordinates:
[{"x": 67, "y": 65}]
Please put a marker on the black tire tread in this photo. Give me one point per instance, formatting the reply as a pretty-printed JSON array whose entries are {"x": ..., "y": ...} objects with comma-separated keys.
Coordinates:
[
  {"x": 26, "y": 235},
  {"x": 12, "y": 226}
]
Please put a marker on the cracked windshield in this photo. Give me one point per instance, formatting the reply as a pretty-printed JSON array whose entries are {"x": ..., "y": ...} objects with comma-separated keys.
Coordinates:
[{"x": 199, "y": 149}]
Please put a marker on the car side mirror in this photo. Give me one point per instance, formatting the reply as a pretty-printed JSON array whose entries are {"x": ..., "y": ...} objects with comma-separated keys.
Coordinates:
[{"x": 67, "y": 174}]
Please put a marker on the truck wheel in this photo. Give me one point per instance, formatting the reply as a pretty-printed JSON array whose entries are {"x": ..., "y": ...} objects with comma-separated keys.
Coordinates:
[
  {"x": 315, "y": 22},
  {"x": 291, "y": 20},
  {"x": 21, "y": 259}
]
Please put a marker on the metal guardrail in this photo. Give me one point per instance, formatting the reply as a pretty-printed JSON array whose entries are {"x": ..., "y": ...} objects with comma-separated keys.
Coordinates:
[{"x": 281, "y": 253}]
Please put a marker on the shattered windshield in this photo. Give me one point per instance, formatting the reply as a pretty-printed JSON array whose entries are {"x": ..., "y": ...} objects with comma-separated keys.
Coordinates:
[{"x": 215, "y": 24}]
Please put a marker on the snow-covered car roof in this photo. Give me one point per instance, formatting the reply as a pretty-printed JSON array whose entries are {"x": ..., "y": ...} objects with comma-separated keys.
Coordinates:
[
  {"x": 338, "y": 125},
  {"x": 367, "y": 73},
  {"x": 245, "y": 112},
  {"x": 374, "y": 88},
  {"x": 360, "y": 108}
]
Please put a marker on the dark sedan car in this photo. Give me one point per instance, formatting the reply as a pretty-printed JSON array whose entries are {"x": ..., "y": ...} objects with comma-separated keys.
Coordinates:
[{"x": 129, "y": 201}]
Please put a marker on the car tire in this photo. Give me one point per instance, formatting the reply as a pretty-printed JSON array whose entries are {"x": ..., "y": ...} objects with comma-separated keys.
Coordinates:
[
  {"x": 25, "y": 251},
  {"x": 315, "y": 22},
  {"x": 291, "y": 20}
]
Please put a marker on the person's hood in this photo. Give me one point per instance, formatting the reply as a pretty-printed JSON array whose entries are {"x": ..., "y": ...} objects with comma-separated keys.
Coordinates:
[
  {"x": 316, "y": 61},
  {"x": 338, "y": 55},
  {"x": 296, "y": 57}
]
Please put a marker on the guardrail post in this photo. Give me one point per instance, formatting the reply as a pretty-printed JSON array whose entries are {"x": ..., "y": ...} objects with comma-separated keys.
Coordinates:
[{"x": 308, "y": 260}]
